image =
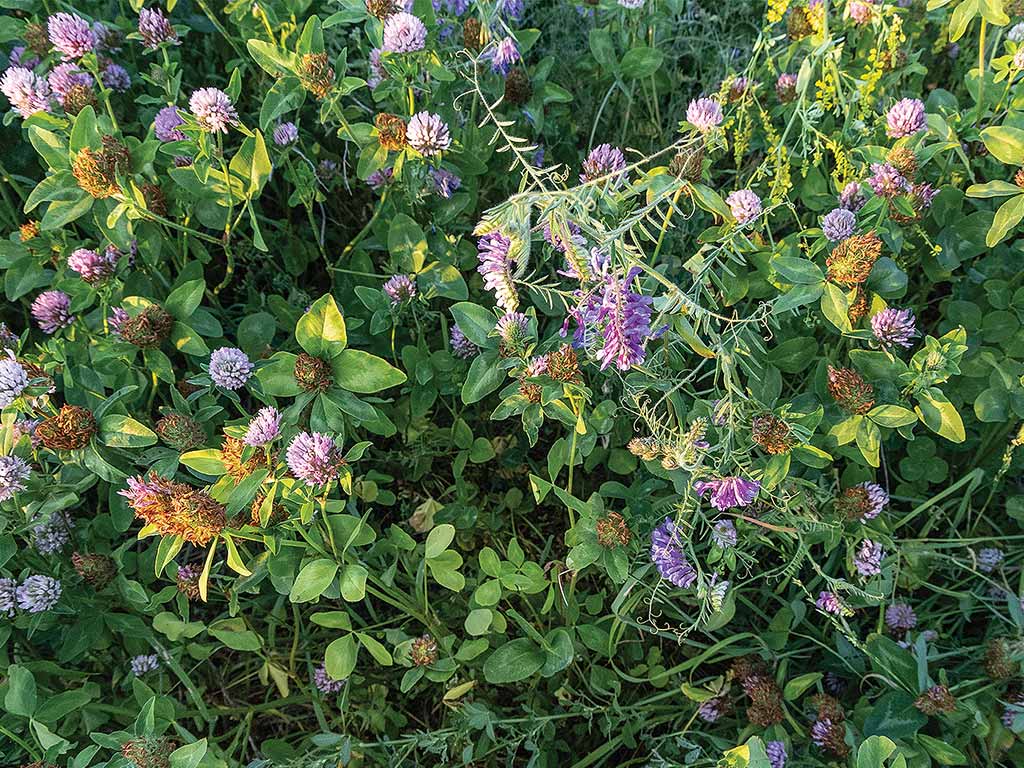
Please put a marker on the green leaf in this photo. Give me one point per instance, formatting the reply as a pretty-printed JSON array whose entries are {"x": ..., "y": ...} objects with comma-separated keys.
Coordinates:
[
  {"x": 960, "y": 18},
  {"x": 185, "y": 299},
  {"x": 940, "y": 415},
  {"x": 21, "y": 691},
  {"x": 278, "y": 377},
  {"x": 869, "y": 440},
  {"x": 188, "y": 755},
  {"x": 874, "y": 751},
  {"x": 188, "y": 341},
  {"x": 996, "y": 188},
  {"x": 798, "y": 685},
  {"x": 125, "y": 432},
  {"x": 892, "y": 416},
  {"x": 361, "y": 372},
  {"x": 514, "y": 661},
  {"x": 894, "y": 716},
  {"x": 474, "y": 321},
  {"x": 84, "y": 133},
  {"x": 941, "y": 751},
  {"x": 407, "y": 244},
  {"x": 353, "y": 582},
  {"x": 796, "y": 270},
  {"x": 835, "y": 307},
  {"x": 602, "y": 47},
  {"x": 321, "y": 331},
  {"x": 438, "y": 539},
  {"x": 340, "y": 657},
  {"x": 206, "y": 461},
  {"x": 1003, "y": 141},
  {"x": 51, "y": 147},
  {"x": 1007, "y": 217},
  {"x": 378, "y": 651},
  {"x": 314, "y": 578},
  {"x": 483, "y": 378},
  {"x": 641, "y": 62}
]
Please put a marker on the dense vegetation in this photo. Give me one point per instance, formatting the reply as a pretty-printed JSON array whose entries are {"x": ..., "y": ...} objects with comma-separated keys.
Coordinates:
[{"x": 512, "y": 383}]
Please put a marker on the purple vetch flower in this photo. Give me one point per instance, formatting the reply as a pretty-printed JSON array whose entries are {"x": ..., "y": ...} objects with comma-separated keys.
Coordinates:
[
  {"x": 838, "y": 224},
  {"x": 71, "y": 35},
  {"x": 504, "y": 56},
  {"x": 377, "y": 72},
  {"x": 19, "y": 59},
  {"x": 404, "y": 33},
  {"x": 380, "y": 178},
  {"x": 400, "y": 288},
  {"x": 868, "y": 560},
  {"x": 728, "y": 492},
  {"x": 851, "y": 198},
  {"x": 445, "y": 182},
  {"x": 905, "y": 118},
  {"x": 116, "y": 78},
  {"x": 709, "y": 711},
  {"x": 155, "y": 28},
  {"x": 704, "y": 114},
  {"x": 989, "y": 559},
  {"x": 38, "y": 593},
  {"x": 922, "y": 195},
  {"x": 512, "y": 328},
  {"x": 165, "y": 125},
  {"x": 744, "y": 205},
  {"x": 27, "y": 92},
  {"x": 115, "y": 320},
  {"x": 428, "y": 134},
  {"x": 13, "y": 380},
  {"x": 886, "y": 181},
  {"x": 878, "y": 497},
  {"x": 230, "y": 367},
  {"x": 829, "y": 603},
  {"x": 64, "y": 77},
  {"x": 8, "y": 597},
  {"x": 325, "y": 683},
  {"x": 213, "y": 110},
  {"x": 264, "y": 428},
  {"x": 894, "y": 327},
  {"x": 511, "y": 9},
  {"x": 93, "y": 266},
  {"x": 497, "y": 269},
  {"x": 723, "y": 534},
  {"x": 52, "y": 311},
  {"x": 50, "y": 536},
  {"x": 626, "y": 319},
  {"x": 144, "y": 663},
  {"x": 461, "y": 346},
  {"x": 776, "y": 751},
  {"x": 14, "y": 473},
  {"x": 603, "y": 161},
  {"x": 286, "y": 134},
  {"x": 900, "y": 617},
  {"x": 667, "y": 555},
  {"x": 565, "y": 237},
  {"x": 314, "y": 458}
]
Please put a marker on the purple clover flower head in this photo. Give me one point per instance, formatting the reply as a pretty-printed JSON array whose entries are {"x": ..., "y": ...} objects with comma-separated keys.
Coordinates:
[
  {"x": 93, "y": 266},
  {"x": 512, "y": 328},
  {"x": 213, "y": 110},
  {"x": 71, "y": 35},
  {"x": 878, "y": 497},
  {"x": 704, "y": 114},
  {"x": 504, "y": 56},
  {"x": 50, "y": 536},
  {"x": 325, "y": 683},
  {"x": 64, "y": 77},
  {"x": 626, "y": 318},
  {"x": 13, "y": 381},
  {"x": 923, "y": 195},
  {"x": 380, "y": 178},
  {"x": 604, "y": 160},
  {"x": 264, "y": 428},
  {"x": 886, "y": 181},
  {"x": 286, "y": 134},
  {"x": 1016, "y": 33},
  {"x": 744, "y": 205},
  {"x": 116, "y": 78},
  {"x": 8, "y": 597},
  {"x": 14, "y": 473},
  {"x": 19, "y": 59},
  {"x": 165, "y": 125},
  {"x": 404, "y": 33},
  {"x": 894, "y": 327},
  {"x": 905, "y": 118},
  {"x": 851, "y": 198},
  {"x": 377, "y": 73},
  {"x": 314, "y": 458},
  {"x": 144, "y": 663},
  {"x": 497, "y": 269},
  {"x": 900, "y": 617},
  {"x": 667, "y": 555},
  {"x": 868, "y": 560},
  {"x": 52, "y": 311},
  {"x": 728, "y": 492},
  {"x": 428, "y": 134},
  {"x": 776, "y": 751},
  {"x": 511, "y": 9},
  {"x": 230, "y": 367},
  {"x": 27, "y": 427},
  {"x": 632, "y": 5},
  {"x": 461, "y": 346},
  {"x": 709, "y": 711},
  {"x": 115, "y": 320},
  {"x": 829, "y": 603},
  {"x": 445, "y": 182},
  {"x": 155, "y": 28},
  {"x": 838, "y": 224},
  {"x": 821, "y": 731},
  {"x": 38, "y": 593},
  {"x": 400, "y": 289},
  {"x": 27, "y": 92},
  {"x": 785, "y": 87},
  {"x": 989, "y": 559},
  {"x": 723, "y": 534}
]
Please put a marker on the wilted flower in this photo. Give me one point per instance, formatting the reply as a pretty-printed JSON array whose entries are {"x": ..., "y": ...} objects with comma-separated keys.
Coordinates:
[
  {"x": 116, "y": 78},
  {"x": 445, "y": 182},
  {"x": 851, "y": 261},
  {"x": 230, "y": 367},
  {"x": 497, "y": 269},
  {"x": 504, "y": 55},
  {"x": 155, "y": 28},
  {"x": 326, "y": 684},
  {"x": 53, "y": 534},
  {"x": 165, "y": 125},
  {"x": 96, "y": 570},
  {"x": 723, "y": 534},
  {"x": 314, "y": 458},
  {"x": 613, "y": 531},
  {"x": 180, "y": 431},
  {"x": 905, "y": 118},
  {"x": 728, "y": 492},
  {"x": 626, "y": 319},
  {"x": 885, "y": 181},
  {"x": 400, "y": 289},
  {"x": 264, "y": 428},
  {"x": 69, "y": 429},
  {"x": 518, "y": 90},
  {"x": 391, "y": 131},
  {"x": 71, "y": 35},
  {"x": 143, "y": 663},
  {"x": 286, "y": 134},
  {"x": 894, "y": 327},
  {"x": 316, "y": 74},
  {"x": 936, "y": 700},
  {"x": 989, "y": 559},
  {"x": 849, "y": 390},
  {"x": 212, "y": 109},
  {"x": 688, "y": 163},
  {"x": 868, "y": 560},
  {"x": 423, "y": 651},
  {"x": 92, "y": 265},
  {"x": 744, "y": 205},
  {"x": 13, "y": 380},
  {"x": 148, "y": 751},
  {"x": 771, "y": 433},
  {"x": 785, "y": 87},
  {"x": 900, "y": 617},
  {"x": 903, "y": 160},
  {"x": 704, "y": 114},
  {"x": 404, "y": 33},
  {"x": 461, "y": 346},
  {"x": 428, "y": 134},
  {"x": 828, "y": 735},
  {"x": 148, "y": 329},
  {"x": 187, "y": 580},
  {"x": 667, "y": 555},
  {"x": 96, "y": 172},
  {"x": 838, "y": 224},
  {"x": 38, "y": 593},
  {"x": 604, "y": 160},
  {"x": 27, "y": 91},
  {"x": 14, "y": 472},
  {"x": 175, "y": 509},
  {"x": 313, "y": 374}
]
